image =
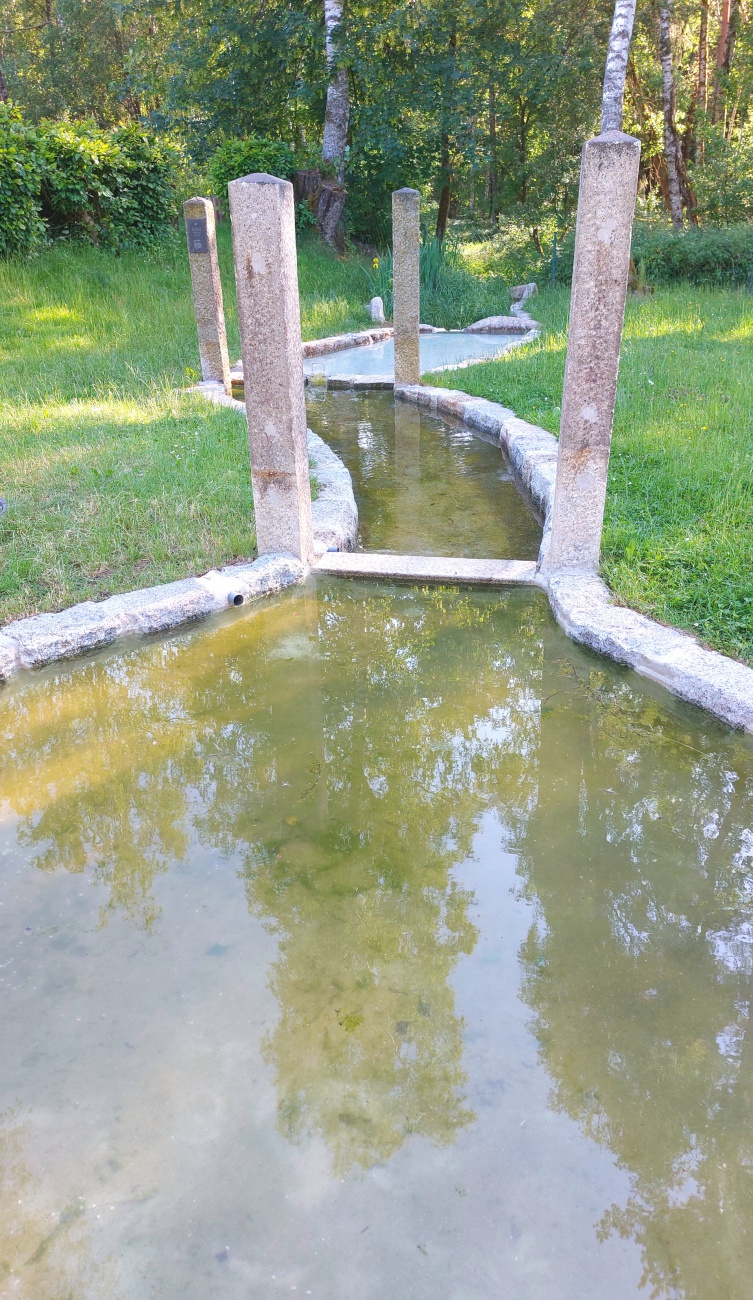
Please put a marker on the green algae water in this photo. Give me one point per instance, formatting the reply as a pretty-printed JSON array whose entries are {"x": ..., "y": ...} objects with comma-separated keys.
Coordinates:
[
  {"x": 373, "y": 941},
  {"x": 424, "y": 486}
]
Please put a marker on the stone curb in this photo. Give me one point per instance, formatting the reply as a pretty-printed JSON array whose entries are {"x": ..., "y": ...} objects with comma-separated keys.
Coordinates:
[
  {"x": 335, "y": 513},
  {"x": 581, "y": 603},
  {"x": 45, "y": 638},
  {"x": 339, "y": 342}
]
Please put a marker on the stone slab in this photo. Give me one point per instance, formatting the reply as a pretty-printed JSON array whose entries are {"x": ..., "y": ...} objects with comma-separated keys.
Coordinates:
[
  {"x": 584, "y": 609},
  {"x": 339, "y": 342},
  {"x": 428, "y": 568},
  {"x": 336, "y": 382}
]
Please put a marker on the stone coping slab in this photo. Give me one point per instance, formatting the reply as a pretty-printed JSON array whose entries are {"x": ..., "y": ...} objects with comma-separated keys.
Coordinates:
[
  {"x": 517, "y": 324},
  {"x": 427, "y": 568},
  {"x": 339, "y": 342},
  {"x": 581, "y": 603},
  {"x": 45, "y": 638}
]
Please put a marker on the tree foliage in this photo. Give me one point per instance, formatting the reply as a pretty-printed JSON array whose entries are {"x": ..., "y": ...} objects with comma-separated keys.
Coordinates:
[{"x": 483, "y": 106}]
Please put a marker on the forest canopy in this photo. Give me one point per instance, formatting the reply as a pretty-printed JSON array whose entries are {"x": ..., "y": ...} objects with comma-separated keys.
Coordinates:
[{"x": 483, "y": 106}]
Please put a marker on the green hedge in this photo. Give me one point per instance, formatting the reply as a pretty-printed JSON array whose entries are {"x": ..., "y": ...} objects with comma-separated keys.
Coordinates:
[
  {"x": 236, "y": 158},
  {"x": 702, "y": 255},
  {"x": 72, "y": 180}
]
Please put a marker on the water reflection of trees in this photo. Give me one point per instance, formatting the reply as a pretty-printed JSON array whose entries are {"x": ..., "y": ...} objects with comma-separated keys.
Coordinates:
[
  {"x": 344, "y": 751},
  {"x": 639, "y": 968},
  {"x": 341, "y": 752}
]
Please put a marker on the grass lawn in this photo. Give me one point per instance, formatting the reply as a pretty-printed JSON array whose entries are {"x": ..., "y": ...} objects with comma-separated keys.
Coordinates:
[
  {"x": 678, "y": 538},
  {"x": 114, "y": 478}
]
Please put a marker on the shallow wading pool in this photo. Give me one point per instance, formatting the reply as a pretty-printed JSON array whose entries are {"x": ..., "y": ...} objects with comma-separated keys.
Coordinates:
[
  {"x": 372, "y": 941},
  {"x": 450, "y": 348}
]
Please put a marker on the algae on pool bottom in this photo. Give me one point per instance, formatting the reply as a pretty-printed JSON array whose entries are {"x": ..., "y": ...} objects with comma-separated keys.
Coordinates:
[{"x": 372, "y": 941}]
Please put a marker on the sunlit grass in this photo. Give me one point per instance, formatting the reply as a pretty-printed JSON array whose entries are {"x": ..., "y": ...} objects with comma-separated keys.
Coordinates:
[{"x": 678, "y": 538}]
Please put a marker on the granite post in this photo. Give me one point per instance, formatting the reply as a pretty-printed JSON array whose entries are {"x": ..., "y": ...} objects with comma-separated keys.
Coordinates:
[
  {"x": 266, "y": 276},
  {"x": 606, "y": 204},
  {"x": 406, "y": 288},
  {"x": 207, "y": 290}
]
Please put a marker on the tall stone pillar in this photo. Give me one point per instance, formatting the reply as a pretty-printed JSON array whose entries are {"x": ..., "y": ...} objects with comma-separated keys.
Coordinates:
[
  {"x": 266, "y": 276},
  {"x": 207, "y": 290},
  {"x": 406, "y": 289},
  {"x": 606, "y": 204}
]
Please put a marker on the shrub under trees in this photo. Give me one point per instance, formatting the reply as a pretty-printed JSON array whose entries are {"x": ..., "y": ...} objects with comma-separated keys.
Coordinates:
[{"x": 73, "y": 180}]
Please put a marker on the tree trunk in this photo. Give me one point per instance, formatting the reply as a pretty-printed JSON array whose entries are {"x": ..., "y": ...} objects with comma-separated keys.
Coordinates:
[
  {"x": 3, "y": 86},
  {"x": 331, "y": 204},
  {"x": 443, "y": 211},
  {"x": 703, "y": 57},
  {"x": 670, "y": 131},
  {"x": 337, "y": 112},
  {"x": 698, "y": 99},
  {"x": 615, "y": 70},
  {"x": 523, "y": 153},
  {"x": 445, "y": 173},
  {"x": 493, "y": 183},
  {"x": 329, "y": 213},
  {"x": 724, "y": 48}
]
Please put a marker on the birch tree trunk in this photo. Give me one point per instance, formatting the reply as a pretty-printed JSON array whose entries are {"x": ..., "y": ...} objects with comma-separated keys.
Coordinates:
[
  {"x": 331, "y": 198},
  {"x": 670, "y": 131},
  {"x": 337, "y": 113},
  {"x": 615, "y": 69}
]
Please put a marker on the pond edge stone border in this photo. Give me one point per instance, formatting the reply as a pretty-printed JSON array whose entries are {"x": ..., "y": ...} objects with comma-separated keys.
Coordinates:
[
  {"x": 581, "y": 603},
  {"x": 42, "y": 639}
]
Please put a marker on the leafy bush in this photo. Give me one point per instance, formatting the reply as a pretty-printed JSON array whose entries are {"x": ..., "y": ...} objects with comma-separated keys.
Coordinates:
[
  {"x": 236, "y": 158},
  {"x": 74, "y": 180},
  {"x": 21, "y": 228},
  {"x": 701, "y": 255}
]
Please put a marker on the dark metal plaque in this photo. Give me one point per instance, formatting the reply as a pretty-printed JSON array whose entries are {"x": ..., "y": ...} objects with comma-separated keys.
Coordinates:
[{"x": 196, "y": 230}]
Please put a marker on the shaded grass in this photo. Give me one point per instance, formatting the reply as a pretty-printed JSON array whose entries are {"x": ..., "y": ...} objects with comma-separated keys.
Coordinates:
[
  {"x": 678, "y": 537},
  {"x": 114, "y": 478}
]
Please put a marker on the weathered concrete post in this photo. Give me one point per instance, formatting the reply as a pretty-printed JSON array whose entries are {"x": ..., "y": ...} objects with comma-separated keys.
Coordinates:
[
  {"x": 207, "y": 290},
  {"x": 266, "y": 276},
  {"x": 406, "y": 286},
  {"x": 606, "y": 203}
]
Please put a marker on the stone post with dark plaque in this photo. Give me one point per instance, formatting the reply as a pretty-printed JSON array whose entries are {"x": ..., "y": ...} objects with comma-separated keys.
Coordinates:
[
  {"x": 269, "y": 315},
  {"x": 207, "y": 290}
]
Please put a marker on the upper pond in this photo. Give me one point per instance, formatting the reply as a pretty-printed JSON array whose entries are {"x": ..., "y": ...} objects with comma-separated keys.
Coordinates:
[
  {"x": 450, "y": 348},
  {"x": 372, "y": 941}
]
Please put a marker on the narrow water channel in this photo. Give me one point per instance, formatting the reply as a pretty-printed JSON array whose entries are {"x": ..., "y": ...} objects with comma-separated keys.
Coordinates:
[
  {"x": 424, "y": 485},
  {"x": 372, "y": 941}
]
